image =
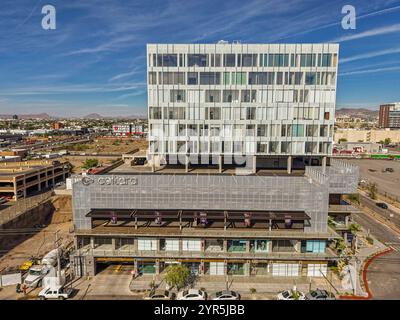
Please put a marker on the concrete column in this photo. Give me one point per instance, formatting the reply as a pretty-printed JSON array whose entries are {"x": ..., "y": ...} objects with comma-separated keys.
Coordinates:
[
  {"x": 39, "y": 183},
  {"x": 158, "y": 245},
  {"x": 225, "y": 267},
  {"x": 180, "y": 245},
  {"x": 76, "y": 243},
  {"x": 254, "y": 164},
  {"x": 225, "y": 248},
  {"x": 323, "y": 164},
  {"x": 289, "y": 164},
  {"x": 220, "y": 164},
  {"x": 92, "y": 242},
  {"x": 270, "y": 225},
  {"x": 114, "y": 244},
  {"x": 247, "y": 267},
  {"x": 202, "y": 268},
  {"x": 135, "y": 245},
  {"x": 247, "y": 245},
  {"x": 157, "y": 266},
  {"x": 186, "y": 163}
]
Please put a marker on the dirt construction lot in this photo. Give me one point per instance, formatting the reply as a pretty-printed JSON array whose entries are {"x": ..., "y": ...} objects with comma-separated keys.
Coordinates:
[{"x": 371, "y": 170}]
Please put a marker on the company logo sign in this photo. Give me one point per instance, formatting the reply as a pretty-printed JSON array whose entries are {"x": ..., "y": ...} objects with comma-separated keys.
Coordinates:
[
  {"x": 87, "y": 181},
  {"x": 110, "y": 181}
]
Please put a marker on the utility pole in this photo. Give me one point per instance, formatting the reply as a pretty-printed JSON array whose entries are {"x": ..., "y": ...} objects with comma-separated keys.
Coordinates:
[{"x": 58, "y": 258}]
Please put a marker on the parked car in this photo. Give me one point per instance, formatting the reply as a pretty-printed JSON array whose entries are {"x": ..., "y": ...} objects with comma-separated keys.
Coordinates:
[
  {"x": 320, "y": 295},
  {"x": 160, "y": 295},
  {"x": 291, "y": 295},
  {"x": 57, "y": 292},
  {"x": 225, "y": 295},
  {"x": 192, "y": 294},
  {"x": 382, "y": 205}
]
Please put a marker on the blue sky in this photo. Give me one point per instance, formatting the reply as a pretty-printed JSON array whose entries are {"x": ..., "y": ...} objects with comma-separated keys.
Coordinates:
[{"x": 95, "y": 60}]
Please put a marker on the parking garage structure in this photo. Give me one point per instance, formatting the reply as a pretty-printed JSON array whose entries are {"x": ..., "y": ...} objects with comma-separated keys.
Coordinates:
[
  {"x": 21, "y": 179},
  {"x": 216, "y": 224}
]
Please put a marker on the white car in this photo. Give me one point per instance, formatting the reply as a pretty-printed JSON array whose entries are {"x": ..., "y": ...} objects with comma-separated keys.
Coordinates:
[
  {"x": 291, "y": 295},
  {"x": 192, "y": 294},
  {"x": 225, "y": 295}
]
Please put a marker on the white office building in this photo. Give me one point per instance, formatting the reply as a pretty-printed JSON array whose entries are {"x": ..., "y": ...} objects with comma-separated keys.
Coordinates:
[{"x": 249, "y": 99}]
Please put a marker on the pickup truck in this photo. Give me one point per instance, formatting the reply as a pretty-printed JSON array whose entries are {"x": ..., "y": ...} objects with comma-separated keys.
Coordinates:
[{"x": 57, "y": 292}]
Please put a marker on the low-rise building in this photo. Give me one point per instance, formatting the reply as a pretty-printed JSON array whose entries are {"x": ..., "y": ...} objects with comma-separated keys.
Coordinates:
[
  {"x": 21, "y": 179},
  {"x": 263, "y": 224}
]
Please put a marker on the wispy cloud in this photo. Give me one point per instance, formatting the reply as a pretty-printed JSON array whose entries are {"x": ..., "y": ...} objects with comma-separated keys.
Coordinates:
[
  {"x": 372, "y": 54},
  {"x": 125, "y": 75},
  {"x": 387, "y": 69},
  {"x": 54, "y": 90},
  {"x": 370, "y": 33}
]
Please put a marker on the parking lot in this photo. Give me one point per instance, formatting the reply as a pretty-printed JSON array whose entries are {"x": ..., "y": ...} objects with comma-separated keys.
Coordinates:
[{"x": 371, "y": 170}]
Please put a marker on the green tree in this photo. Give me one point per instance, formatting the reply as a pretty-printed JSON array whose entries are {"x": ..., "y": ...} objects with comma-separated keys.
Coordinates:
[
  {"x": 373, "y": 190},
  {"x": 354, "y": 228},
  {"x": 387, "y": 141},
  {"x": 354, "y": 197},
  {"x": 177, "y": 276},
  {"x": 90, "y": 163},
  {"x": 342, "y": 140}
]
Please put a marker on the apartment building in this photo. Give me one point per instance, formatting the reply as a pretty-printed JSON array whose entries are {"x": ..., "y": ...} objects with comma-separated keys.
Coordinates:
[
  {"x": 389, "y": 115},
  {"x": 229, "y": 99}
]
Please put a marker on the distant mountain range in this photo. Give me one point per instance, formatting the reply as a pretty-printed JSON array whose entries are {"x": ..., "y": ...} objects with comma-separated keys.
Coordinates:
[
  {"x": 352, "y": 112},
  {"x": 91, "y": 116},
  {"x": 357, "y": 113}
]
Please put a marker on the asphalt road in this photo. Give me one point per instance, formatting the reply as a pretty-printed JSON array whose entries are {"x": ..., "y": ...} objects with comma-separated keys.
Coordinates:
[
  {"x": 384, "y": 213},
  {"x": 383, "y": 274}
]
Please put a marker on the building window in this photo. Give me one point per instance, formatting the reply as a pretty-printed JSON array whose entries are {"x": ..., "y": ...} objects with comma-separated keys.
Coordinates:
[
  {"x": 167, "y": 60},
  {"x": 298, "y": 130},
  {"x": 155, "y": 113},
  {"x": 311, "y": 78},
  {"x": 230, "y": 96},
  {"x": 192, "y": 78},
  {"x": 197, "y": 60},
  {"x": 313, "y": 246},
  {"x": 261, "y": 78},
  {"x": 326, "y": 60},
  {"x": 262, "y": 147},
  {"x": 249, "y": 95},
  {"x": 278, "y": 60},
  {"x": 251, "y": 113},
  {"x": 147, "y": 244},
  {"x": 307, "y": 60},
  {"x": 209, "y": 78},
  {"x": 152, "y": 77},
  {"x": 169, "y": 78},
  {"x": 227, "y": 78},
  {"x": 213, "y": 96},
  {"x": 229, "y": 60},
  {"x": 247, "y": 60},
  {"x": 262, "y": 130},
  {"x": 274, "y": 146},
  {"x": 239, "y": 78},
  {"x": 213, "y": 113},
  {"x": 286, "y": 147},
  {"x": 285, "y": 269},
  {"x": 177, "y": 96},
  {"x": 191, "y": 245}
]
